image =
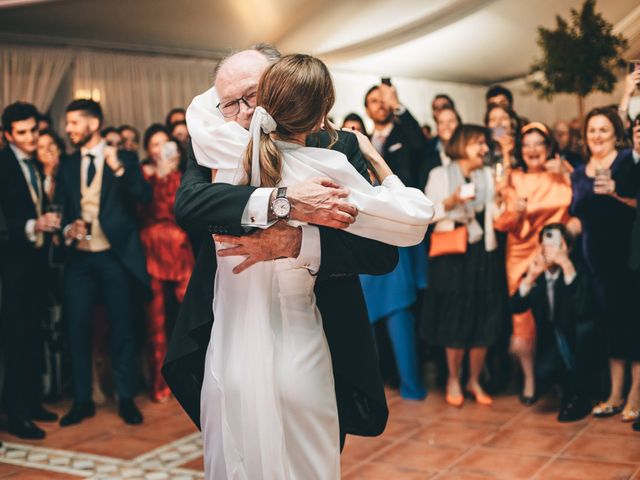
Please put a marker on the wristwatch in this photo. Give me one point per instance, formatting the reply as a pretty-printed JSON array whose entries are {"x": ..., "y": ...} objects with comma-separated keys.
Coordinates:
[{"x": 280, "y": 205}]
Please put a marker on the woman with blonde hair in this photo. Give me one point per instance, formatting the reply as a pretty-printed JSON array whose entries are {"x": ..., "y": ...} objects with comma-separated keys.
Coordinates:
[{"x": 268, "y": 401}]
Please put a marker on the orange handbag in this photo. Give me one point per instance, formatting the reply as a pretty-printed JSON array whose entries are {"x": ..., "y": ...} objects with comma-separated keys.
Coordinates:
[{"x": 448, "y": 243}]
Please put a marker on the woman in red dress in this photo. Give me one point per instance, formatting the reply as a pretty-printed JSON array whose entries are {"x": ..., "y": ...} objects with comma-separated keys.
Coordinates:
[{"x": 167, "y": 247}]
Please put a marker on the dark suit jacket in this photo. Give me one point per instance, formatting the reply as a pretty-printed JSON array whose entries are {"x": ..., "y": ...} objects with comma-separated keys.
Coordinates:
[
  {"x": 571, "y": 308},
  {"x": 17, "y": 204},
  {"x": 630, "y": 188},
  {"x": 359, "y": 390},
  {"x": 404, "y": 150},
  {"x": 118, "y": 200}
]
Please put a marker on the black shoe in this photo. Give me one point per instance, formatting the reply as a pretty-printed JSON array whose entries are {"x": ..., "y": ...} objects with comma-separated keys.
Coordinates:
[
  {"x": 78, "y": 412},
  {"x": 26, "y": 429},
  {"x": 42, "y": 414},
  {"x": 636, "y": 426},
  {"x": 129, "y": 412},
  {"x": 574, "y": 409},
  {"x": 528, "y": 401}
]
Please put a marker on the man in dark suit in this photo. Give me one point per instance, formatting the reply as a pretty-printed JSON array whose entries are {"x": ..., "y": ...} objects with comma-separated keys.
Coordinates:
[
  {"x": 23, "y": 265},
  {"x": 558, "y": 295},
  {"x": 334, "y": 255},
  {"x": 396, "y": 134},
  {"x": 99, "y": 187}
]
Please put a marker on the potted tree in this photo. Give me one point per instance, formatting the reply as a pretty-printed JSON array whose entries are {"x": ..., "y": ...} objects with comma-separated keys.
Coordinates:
[{"x": 579, "y": 56}]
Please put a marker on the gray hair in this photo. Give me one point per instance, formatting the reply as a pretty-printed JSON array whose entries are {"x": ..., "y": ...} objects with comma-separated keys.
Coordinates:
[{"x": 271, "y": 53}]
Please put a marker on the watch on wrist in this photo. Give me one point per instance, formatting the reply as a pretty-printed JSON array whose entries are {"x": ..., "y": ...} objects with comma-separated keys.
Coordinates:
[{"x": 281, "y": 207}]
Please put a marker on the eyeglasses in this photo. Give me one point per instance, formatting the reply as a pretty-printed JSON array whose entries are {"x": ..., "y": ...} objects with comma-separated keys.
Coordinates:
[{"x": 232, "y": 107}]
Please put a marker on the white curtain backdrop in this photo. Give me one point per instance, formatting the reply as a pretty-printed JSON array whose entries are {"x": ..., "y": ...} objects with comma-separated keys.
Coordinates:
[
  {"x": 31, "y": 74},
  {"x": 138, "y": 89}
]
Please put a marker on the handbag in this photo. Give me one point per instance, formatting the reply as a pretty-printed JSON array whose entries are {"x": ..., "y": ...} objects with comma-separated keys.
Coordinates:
[{"x": 452, "y": 242}]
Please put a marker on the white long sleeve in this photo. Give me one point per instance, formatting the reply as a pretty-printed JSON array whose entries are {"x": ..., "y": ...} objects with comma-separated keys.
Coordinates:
[{"x": 391, "y": 213}]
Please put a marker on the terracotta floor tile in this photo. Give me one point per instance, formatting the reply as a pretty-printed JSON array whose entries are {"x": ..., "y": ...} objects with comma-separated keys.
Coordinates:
[
  {"x": 424, "y": 411},
  {"x": 6, "y": 469},
  {"x": 454, "y": 434},
  {"x": 398, "y": 427},
  {"x": 197, "y": 464},
  {"x": 604, "y": 426},
  {"x": 530, "y": 440},
  {"x": 420, "y": 456},
  {"x": 125, "y": 446},
  {"x": 463, "y": 476},
  {"x": 537, "y": 419},
  {"x": 33, "y": 474},
  {"x": 381, "y": 471},
  {"x": 357, "y": 449},
  {"x": 479, "y": 414},
  {"x": 565, "y": 469},
  {"x": 507, "y": 465},
  {"x": 606, "y": 448}
]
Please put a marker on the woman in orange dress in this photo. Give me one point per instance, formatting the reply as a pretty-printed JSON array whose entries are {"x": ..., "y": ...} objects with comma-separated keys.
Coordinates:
[
  {"x": 167, "y": 248},
  {"x": 535, "y": 193}
]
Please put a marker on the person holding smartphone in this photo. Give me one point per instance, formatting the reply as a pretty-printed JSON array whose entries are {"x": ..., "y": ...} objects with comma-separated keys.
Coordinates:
[
  {"x": 167, "y": 247},
  {"x": 464, "y": 301},
  {"x": 607, "y": 218},
  {"x": 505, "y": 129},
  {"x": 556, "y": 292},
  {"x": 532, "y": 197}
]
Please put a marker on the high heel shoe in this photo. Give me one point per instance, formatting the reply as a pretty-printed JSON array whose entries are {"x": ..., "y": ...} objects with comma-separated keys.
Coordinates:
[
  {"x": 481, "y": 398},
  {"x": 630, "y": 415},
  {"x": 604, "y": 410},
  {"x": 455, "y": 401}
]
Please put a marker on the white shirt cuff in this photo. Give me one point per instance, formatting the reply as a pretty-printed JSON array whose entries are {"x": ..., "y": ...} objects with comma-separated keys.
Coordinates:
[
  {"x": 256, "y": 212},
  {"x": 392, "y": 181},
  {"x": 310, "y": 250},
  {"x": 524, "y": 289},
  {"x": 30, "y": 230},
  {"x": 636, "y": 156}
]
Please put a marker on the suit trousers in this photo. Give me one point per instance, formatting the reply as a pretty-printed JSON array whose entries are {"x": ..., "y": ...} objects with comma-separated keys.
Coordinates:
[
  {"x": 89, "y": 276},
  {"x": 23, "y": 309}
]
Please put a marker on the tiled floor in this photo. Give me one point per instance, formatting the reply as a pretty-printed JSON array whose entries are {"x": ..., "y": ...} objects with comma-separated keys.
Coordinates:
[{"x": 423, "y": 440}]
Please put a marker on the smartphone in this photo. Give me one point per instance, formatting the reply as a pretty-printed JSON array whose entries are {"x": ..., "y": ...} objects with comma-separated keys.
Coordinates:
[
  {"x": 468, "y": 190},
  {"x": 552, "y": 238},
  {"x": 169, "y": 150},
  {"x": 386, "y": 81}
]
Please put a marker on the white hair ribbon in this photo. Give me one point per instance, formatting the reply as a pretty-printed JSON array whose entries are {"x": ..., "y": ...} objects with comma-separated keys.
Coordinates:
[{"x": 261, "y": 121}]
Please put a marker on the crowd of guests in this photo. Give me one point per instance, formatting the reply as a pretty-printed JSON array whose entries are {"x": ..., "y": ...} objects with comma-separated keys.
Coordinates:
[
  {"x": 534, "y": 251},
  {"x": 530, "y": 253}
]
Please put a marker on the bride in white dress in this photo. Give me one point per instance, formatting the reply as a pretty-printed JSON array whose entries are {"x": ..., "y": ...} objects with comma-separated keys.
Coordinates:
[{"x": 268, "y": 406}]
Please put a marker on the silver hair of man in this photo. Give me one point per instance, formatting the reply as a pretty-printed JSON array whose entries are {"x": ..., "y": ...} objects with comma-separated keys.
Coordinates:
[{"x": 271, "y": 53}]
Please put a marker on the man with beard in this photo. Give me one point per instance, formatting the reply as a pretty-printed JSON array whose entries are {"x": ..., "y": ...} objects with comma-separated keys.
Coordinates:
[
  {"x": 23, "y": 261},
  {"x": 98, "y": 187}
]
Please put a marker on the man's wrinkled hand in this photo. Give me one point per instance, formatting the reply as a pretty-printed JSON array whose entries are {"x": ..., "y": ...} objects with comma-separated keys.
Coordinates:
[
  {"x": 279, "y": 241},
  {"x": 320, "y": 201}
]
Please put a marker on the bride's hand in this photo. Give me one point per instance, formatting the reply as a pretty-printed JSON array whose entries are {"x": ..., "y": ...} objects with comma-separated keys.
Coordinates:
[{"x": 371, "y": 154}]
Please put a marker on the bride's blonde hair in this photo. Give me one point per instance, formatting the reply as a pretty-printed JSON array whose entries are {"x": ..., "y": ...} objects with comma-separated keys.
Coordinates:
[{"x": 298, "y": 93}]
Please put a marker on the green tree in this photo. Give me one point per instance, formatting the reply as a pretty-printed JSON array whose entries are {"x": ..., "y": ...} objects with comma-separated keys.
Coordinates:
[{"x": 579, "y": 57}]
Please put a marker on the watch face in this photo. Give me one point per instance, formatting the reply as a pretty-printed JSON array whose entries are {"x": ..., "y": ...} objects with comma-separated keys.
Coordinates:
[{"x": 281, "y": 207}]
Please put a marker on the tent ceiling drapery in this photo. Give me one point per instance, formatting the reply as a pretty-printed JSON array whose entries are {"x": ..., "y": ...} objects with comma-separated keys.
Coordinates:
[{"x": 471, "y": 41}]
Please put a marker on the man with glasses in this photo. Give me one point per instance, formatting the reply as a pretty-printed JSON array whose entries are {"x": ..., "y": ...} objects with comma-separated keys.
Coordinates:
[{"x": 320, "y": 246}]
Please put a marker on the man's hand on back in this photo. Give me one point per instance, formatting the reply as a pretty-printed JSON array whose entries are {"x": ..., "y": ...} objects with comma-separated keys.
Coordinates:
[
  {"x": 279, "y": 241},
  {"x": 320, "y": 201}
]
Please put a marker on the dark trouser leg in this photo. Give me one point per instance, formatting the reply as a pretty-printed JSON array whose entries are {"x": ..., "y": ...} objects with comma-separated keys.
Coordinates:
[
  {"x": 115, "y": 286},
  {"x": 79, "y": 299}
]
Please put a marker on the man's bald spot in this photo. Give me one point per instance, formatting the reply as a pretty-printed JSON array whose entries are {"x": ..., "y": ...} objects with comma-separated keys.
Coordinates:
[{"x": 242, "y": 65}]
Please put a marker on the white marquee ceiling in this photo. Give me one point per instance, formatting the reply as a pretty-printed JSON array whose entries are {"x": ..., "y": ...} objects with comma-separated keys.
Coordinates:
[{"x": 471, "y": 41}]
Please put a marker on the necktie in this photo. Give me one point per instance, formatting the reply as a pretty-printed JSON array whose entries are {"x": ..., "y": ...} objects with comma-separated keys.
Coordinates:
[
  {"x": 33, "y": 178},
  {"x": 91, "y": 171}
]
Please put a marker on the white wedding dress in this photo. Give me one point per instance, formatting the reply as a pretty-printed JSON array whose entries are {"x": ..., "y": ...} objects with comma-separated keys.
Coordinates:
[{"x": 268, "y": 406}]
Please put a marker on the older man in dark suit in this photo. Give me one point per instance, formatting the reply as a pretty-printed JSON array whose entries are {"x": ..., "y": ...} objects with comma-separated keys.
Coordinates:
[{"x": 322, "y": 247}]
